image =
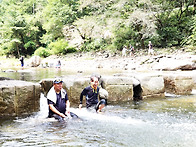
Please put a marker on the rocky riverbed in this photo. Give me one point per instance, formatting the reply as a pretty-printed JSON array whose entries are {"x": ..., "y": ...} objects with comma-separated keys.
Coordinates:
[
  {"x": 178, "y": 64},
  {"x": 153, "y": 75},
  {"x": 180, "y": 60},
  {"x": 107, "y": 61}
]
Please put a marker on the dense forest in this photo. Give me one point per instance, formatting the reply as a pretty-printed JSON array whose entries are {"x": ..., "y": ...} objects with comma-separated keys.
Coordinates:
[{"x": 47, "y": 27}]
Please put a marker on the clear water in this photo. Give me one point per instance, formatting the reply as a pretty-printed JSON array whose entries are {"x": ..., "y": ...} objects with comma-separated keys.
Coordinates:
[
  {"x": 36, "y": 74},
  {"x": 169, "y": 122}
]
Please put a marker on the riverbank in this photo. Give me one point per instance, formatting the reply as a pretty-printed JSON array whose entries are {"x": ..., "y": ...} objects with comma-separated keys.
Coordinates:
[
  {"x": 164, "y": 60},
  {"x": 125, "y": 78},
  {"x": 107, "y": 61}
]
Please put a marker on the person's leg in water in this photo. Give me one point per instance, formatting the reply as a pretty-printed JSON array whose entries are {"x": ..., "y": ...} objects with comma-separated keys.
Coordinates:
[
  {"x": 73, "y": 115},
  {"x": 100, "y": 105},
  {"x": 59, "y": 118}
]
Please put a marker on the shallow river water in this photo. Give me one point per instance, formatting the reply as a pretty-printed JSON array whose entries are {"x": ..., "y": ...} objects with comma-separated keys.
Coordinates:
[{"x": 168, "y": 122}]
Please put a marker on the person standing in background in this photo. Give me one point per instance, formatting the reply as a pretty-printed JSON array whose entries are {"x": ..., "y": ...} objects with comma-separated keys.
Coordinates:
[
  {"x": 131, "y": 50},
  {"x": 22, "y": 61},
  {"x": 58, "y": 65},
  {"x": 150, "y": 50}
]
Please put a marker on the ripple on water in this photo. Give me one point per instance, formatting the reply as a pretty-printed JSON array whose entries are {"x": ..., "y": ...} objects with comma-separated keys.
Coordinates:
[{"x": 152, "y": 123}]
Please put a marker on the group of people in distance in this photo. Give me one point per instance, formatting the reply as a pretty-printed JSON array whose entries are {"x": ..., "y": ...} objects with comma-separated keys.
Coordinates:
[
  {"x": 59, "y": 105},
  {"x": 130, "y": 50}
]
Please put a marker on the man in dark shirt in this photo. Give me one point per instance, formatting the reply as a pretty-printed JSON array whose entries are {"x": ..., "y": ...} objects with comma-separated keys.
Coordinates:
[
  {"x": 22, "y": 61},
  {"x": 59, "y": 105},
  {"x": 91, "y": 93}
]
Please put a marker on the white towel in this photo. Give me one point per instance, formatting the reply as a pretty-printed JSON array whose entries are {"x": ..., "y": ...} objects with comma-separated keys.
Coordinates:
[{"x": 52, "y": 94}]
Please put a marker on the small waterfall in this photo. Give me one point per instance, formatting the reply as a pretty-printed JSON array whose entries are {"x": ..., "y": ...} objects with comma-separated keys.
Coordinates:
[{"x": 43, "y": 106}]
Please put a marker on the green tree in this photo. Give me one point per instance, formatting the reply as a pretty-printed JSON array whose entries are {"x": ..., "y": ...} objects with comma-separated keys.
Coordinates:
[
  {"x": 191, "y": 40},
  {"x": 93, "y": 25},
  {"x": 174, "y": 19},
  {"x": 56, "y": 14},
  {"x": 19, "y": 22}
]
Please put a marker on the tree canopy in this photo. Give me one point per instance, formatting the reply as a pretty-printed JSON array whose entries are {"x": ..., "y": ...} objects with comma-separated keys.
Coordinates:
[{"x": 46, "y": 27}]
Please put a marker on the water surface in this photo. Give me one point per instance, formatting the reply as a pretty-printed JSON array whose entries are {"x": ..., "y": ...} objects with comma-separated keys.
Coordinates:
[{"x": 168, "y": 122}]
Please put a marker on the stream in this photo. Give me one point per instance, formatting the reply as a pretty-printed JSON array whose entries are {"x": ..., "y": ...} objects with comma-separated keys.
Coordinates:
[{"x": 167, "y": 122}]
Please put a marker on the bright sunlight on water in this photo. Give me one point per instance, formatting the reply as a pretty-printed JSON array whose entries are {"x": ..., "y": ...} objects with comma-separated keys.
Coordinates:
[{"x": 168, "y": 122}]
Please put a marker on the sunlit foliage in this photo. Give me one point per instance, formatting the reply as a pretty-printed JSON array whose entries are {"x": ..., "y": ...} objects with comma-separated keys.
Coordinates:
[{"x": 63, "y": 26}]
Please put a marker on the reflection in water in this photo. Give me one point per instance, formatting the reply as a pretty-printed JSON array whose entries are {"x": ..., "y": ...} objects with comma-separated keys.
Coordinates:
[
  {"x": 34, "y": 74},
  {"x": 22, "y": 76},
  {"x": 37, "y": 74},
  {"x": 154, "y": 123}
]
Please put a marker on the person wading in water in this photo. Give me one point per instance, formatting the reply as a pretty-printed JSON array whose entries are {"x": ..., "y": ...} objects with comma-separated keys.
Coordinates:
[
  {"x": 91, "y": 93},
  {"x": 58, "y": 102}
]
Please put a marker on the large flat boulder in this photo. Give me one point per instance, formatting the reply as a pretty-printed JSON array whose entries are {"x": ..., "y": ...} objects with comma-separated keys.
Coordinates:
[
  {"x": 125, "y": 87},
  {"x": 152, "y": 85},
  {"x": 120, "y": 88},
  {"x": 178, "y": 84},
  {"x": 19, "y": 97}
]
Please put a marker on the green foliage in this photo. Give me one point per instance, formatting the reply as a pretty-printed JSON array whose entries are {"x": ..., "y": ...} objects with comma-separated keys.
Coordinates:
[
  {"x": 39, "y": 26},
  {"x": 19, "y": 22},
  {"x": 70, "y": 49},
  {"x": 95, "y": 45},
  {"x": 55, "y": 15},
  {"x": 42, "y": 52},
  {"x": 60, "y": 47},
  {"x": 9, "y": 48},
  {"x": 174, "y": 23},
  {"x": 191, "y": 49},
  {"x": 125, "y": 36},
  {"x": 191, "y": 39},
  {"x": 30, "y": 46}
]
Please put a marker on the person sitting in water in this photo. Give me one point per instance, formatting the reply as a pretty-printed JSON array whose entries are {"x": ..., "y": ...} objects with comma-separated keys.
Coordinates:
[
  {"x": 58, "y": 102},
  {"x": 91, "y": 93},
  {"x": 58, "y": 64}
]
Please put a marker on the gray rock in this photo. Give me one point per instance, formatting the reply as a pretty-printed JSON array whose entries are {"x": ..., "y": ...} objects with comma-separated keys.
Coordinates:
[
  {"x": 34, "y": 61},
  {"x": 125, "y": 87},
  {"x": 18, "y": 97},
  {"x": 178, "y": 84}
]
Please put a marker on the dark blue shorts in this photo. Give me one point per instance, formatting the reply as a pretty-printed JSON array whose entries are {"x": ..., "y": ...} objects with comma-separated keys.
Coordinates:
[{"x": 101, "y": 102}]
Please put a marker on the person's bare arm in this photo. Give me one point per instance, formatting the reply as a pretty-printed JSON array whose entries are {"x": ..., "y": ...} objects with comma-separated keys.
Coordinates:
[
  {"x": 80, "y": 106},
  {"x": 56, "y": 111},
  {"x": 67, "y": 108}
]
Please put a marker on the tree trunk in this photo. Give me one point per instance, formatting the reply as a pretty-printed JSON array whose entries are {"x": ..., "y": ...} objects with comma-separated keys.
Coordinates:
[
  {"x": 18, "y": 51},
  {"x": 142, "y": 44}
]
